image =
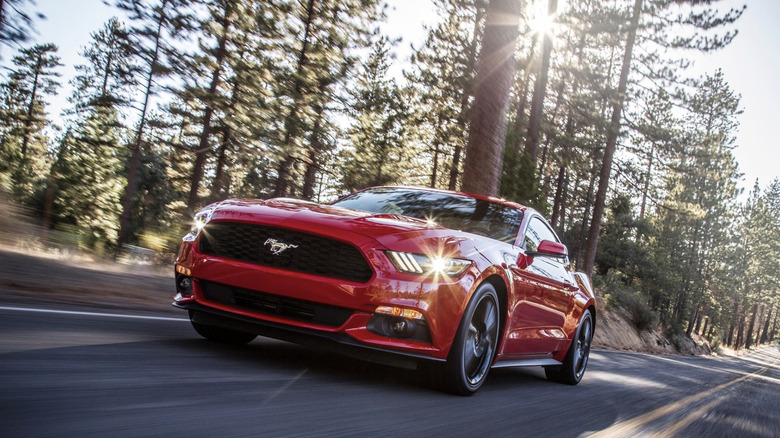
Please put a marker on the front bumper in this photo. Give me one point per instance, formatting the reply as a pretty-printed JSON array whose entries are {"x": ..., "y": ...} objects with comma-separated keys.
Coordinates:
[
  {"x": 441, "y": 303},
  {"x": 331, "y": 341}
]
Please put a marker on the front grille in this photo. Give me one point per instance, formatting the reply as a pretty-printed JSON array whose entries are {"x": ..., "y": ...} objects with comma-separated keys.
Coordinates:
[
  {"x": 270, "y": 304},
  {"x": 307, "y": 253}
]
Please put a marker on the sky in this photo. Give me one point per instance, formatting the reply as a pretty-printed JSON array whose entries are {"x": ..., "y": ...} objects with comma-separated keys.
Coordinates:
[{"x": 750, "y": 64}]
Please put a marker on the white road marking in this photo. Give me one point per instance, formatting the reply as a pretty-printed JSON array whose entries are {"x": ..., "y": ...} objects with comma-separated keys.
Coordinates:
[{"x": 109, "y": 315}]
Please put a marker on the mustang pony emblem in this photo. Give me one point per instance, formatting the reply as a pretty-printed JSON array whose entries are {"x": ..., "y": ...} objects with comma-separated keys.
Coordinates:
[{"x": 278, "y": 247}]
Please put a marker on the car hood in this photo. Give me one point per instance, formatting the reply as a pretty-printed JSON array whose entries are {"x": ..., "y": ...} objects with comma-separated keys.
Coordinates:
[{"x": 393, "y": 231}]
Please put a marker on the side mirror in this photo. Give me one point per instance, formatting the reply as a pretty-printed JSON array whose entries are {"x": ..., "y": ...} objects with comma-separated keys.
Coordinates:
[{"x": 548, "y": 248}]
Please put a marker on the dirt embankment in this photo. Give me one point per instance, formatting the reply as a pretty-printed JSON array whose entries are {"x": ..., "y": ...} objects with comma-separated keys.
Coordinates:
[
  {"x": 615, "y": 331},
  {"x": 75, "y": 281}
]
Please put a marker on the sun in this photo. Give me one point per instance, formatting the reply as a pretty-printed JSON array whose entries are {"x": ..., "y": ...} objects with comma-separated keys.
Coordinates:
[{"x": 541, "y": 20}]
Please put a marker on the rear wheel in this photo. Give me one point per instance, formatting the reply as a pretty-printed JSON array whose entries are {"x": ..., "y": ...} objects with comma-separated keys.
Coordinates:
[
  {"x": 573, "y": 367},
  {"x": 221, "y": 334},
  {"x": 474, "y": 347}
]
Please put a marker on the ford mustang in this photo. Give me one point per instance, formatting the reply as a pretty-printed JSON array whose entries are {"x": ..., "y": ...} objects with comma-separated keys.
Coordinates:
[{"x": 450, "y": 283}]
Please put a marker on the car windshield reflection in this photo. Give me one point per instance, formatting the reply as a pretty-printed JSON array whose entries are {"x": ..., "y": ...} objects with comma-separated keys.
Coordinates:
[{"x": 458, "y": 212}]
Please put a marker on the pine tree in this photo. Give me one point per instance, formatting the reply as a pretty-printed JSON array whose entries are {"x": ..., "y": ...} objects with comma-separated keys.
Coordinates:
[
  {"x": 702, "y": 191},
  {"x": 323, "y": 38},
  {"x": 90, "y": 179},
  {"x": 378, "y": 153},
  {"x": 651, "y": 21},
  {"x": 108, "y": 76},
  {"x": 95, "y": 140},
  {"x": 154, "y": 22},
  {"x": 23, "y": 144},
  {"x": 441, "y": 79},
  {"x": 16, "y": 22},
  {"x": 540, "y": 88},
  {"x": 225, "y": 81}
]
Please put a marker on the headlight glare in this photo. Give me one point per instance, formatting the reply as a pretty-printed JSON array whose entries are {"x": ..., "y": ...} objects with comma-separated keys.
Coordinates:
[
  {"x": 201, "y": 219},
  {"x": 422, "y": 264}
]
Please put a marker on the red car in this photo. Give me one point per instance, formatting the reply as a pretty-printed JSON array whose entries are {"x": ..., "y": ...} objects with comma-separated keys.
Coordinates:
[{"x": 451, "y": 283}]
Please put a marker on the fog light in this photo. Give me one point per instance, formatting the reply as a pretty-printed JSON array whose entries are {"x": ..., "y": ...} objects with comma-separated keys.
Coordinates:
[
  {"x": 400, "y": 327},
  {"x": 184, "y": 284}
]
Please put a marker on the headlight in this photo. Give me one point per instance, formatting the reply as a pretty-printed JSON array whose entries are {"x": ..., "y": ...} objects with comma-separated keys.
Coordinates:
[
  {"x": 422, "y": 264},
  {"x": 201, "y": 219}
]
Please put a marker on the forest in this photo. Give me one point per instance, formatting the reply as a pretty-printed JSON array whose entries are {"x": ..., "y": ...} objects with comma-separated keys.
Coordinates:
[{"x": 592, "y": 114}]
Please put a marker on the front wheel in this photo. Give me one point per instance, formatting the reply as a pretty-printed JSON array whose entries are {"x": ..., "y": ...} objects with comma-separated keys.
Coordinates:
[
  {"x": 475, "y": 344},
  {"x": 221, "y": 334},
  {"x": 573, "y": 367}
]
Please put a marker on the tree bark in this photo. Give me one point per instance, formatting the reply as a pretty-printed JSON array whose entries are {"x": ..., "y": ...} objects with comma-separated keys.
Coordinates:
[
  {"x": 51, "y": 188},
  {"x": 203, "y": 146},
  {"x": 540, "y": 88},
  {"x": 315, "y": 150},
  {"x": 463, "y": 115},
  {"x": 612, "y": 135},
  {"x": 291, "y": 128},
  {"x": 135, "y": 157},
  {"x": 749, "y": 337},
  {"x": 30, "y": 108},
  {"x": 765, "y": 332},
  {"x": 646, "y": 188},
  {"x": 495, "y": 73},
  {"x": 221, "y": 186}
]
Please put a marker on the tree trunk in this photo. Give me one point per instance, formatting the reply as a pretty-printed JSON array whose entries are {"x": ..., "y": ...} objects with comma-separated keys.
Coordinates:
[
  {"x": 291, "y": 125},
  {"x": 29, "y": 117},
  {"x": 435, "y": 169},
  {"x": 558, "y": 199},
  {"x": 135, "y": 157},
  {"x": 51, "y": 188},
  {"x": 705, "y": 323},
  {"x": 751, "y": 327},
  {"x": 560, "y": 189},
  {"x": 646, "y": 188},
  {"x": 203, "y": 146},
  {"x": 463, "y": 114},
  {"x": 740, "y": 333},
  {"x": 585, "y": 216},
  {"x": 522, "y": 100},
  {"x": 540, "y": 88},
  {"x": 765, "y": 332},
  {"x": 219, "y": 190},
  {"x": 699, "y": 320},
  {"x": 612, "y": 135},
  {"x": 436, "y": 150},
  {"x": 495, "y": 73},
  {"x": 312, "y": 164}
]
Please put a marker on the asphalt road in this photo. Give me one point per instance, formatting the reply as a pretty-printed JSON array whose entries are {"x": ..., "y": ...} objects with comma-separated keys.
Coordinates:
[{"x": 89, "y": 373}]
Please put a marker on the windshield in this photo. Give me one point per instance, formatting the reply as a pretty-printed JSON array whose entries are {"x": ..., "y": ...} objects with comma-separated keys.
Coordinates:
[{"x": 458, "y": 212}]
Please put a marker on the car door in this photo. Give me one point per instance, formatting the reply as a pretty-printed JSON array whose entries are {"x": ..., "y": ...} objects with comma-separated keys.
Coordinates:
[{"x": 544, "y": 288}]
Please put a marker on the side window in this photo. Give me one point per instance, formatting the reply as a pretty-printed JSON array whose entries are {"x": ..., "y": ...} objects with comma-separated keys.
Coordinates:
[{"x": 536, "y": 232}]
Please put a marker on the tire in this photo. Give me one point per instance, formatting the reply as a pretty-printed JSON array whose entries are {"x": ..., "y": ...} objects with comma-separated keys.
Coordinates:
[
  {"x": 573, "y": 367},
  {"x": 474, "y": 348},
  {"x": 221, "y": 334}
]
